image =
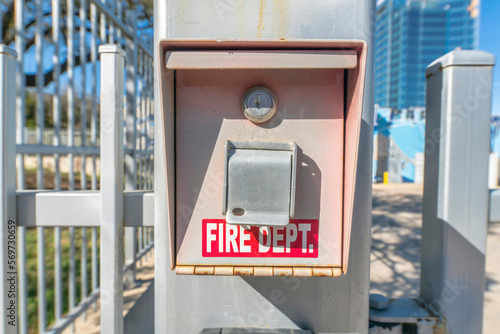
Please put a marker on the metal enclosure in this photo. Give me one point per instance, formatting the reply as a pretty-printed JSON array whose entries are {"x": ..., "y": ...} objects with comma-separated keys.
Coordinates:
[
  {"x": 300, "y": 164},
  {"x": 456, "y": 196},
  {"x": 200, "y": 111}
]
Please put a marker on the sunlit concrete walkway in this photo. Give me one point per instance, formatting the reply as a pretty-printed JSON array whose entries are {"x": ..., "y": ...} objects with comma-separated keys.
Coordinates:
[
  {"x": 395, "y": 256},
  {"x": 131, "y": 298}
]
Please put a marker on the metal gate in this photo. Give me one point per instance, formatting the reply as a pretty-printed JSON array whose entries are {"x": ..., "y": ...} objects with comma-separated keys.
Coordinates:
[{"x": 67, "y": 155}]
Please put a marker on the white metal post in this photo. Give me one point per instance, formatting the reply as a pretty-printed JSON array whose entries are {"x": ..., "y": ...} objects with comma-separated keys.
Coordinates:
[
  {"x": 186, "y": 304},
  {"x": 455, "y": 203},
  {"x": 112, "y": 99},
  {"x": 8, "y": 281}
]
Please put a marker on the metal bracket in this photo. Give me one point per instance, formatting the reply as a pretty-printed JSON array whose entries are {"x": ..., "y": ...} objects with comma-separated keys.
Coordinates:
[{"x": 259, "y": 182}]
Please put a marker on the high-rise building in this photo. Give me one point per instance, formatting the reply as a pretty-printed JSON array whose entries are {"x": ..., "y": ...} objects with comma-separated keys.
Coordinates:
[{"x": 410, "y": 34}]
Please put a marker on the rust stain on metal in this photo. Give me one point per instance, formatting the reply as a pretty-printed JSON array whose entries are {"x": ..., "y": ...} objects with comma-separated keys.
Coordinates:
[
  {"x": 184, "y": 270},
  {"x": 224, "y": 271},
  {"x": 243, "y": 271},
  {"x": 204, "y": 270},
  {"x": 302, "y": 271},
  {"x": 322, "y": 272},
  {"x": 283, "y": 271},
  {"x": 260, "y": 25},
  {"x": 280, "y": 18},
  {"x": 258, "y": 271}
]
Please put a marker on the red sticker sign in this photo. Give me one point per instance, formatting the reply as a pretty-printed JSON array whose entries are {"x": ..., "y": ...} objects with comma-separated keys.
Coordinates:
[{"x": 298, "y": 239}]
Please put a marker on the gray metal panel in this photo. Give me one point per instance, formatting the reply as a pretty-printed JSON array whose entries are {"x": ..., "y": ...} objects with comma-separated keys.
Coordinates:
[
  {"x": 259, "y": 178},
  {"x": 191, "y": 303},
  {"x": 455, "y": 205}
]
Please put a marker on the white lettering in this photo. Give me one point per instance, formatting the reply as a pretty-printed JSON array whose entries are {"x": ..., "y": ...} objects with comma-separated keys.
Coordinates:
[
  {"x": 210, "y": 237},
  {"x": 231, "y": 234},
  {"x": 264, "y": 248},
  {"x": 291, "y": 236},
  {"x": 244, "y": 237},
  {"x": 221, "y": 238},
  {"x": 277, "y": 237},
  {"x": 304, "y": 228}
]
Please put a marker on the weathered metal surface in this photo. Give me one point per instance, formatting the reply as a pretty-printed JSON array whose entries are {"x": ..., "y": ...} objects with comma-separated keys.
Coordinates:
[
  {"x": 311, "y": 302},
  {"x": 199, "y": 133},
  {"x": 258, "y": 271}
]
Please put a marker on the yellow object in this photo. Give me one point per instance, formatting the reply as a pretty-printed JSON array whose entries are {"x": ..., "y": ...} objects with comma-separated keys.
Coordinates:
[{"x": 386, "y": 177}]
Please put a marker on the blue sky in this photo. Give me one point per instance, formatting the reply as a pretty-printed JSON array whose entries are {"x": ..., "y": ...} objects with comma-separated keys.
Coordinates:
[{"x": 490, "y": 41}]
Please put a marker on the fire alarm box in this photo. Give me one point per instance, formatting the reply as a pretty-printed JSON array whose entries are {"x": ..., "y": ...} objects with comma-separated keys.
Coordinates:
[{"x": 261, "y": 142}]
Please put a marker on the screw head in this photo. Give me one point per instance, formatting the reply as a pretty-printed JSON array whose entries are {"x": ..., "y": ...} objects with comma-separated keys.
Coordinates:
[{"x": 259, "y": 104}]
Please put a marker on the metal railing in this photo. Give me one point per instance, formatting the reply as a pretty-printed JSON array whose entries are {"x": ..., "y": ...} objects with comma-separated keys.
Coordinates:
[{"x": 71, "y": 83}]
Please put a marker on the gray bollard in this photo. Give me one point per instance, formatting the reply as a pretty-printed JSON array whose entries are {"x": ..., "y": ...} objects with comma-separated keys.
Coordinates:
[{"x": 455, "y": 204}]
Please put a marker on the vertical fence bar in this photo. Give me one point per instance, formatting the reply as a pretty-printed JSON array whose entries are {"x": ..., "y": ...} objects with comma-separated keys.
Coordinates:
[
  {"x": 71, "y": 125},
  {"x": 131, "y": 86},
  {"x": 40, "y": 112},
  {"x": 83, "y": 271},
  {"x": 93, "y": 136},
  {"x": 20, "y": 124},
  {"x": 56, "y": 115},
  {"x": 83, "y": 142},
  {"x": 8, "y": 281},
  {"x": 131, "y": 120},
  {"x": 119, "y": 13},
  {"x": 71, "y": 91},
  {"x": 83, "y": 108},
  {"x": 151, "y": 127},
  {"x": 72, "y": 270},
  {"x": 56, "y": 100},
  {"x": 112, "y": 99},
  {"x": 42, "y": 305},
  {"x": 103, "y": 26},
  {"x": 40, "y": 125},
  {"x": 93, "y": 60},
  {"x": 23, "y": 286},
  {"x": 20, "y": 83},
  {"x": 455, "y": 202}
]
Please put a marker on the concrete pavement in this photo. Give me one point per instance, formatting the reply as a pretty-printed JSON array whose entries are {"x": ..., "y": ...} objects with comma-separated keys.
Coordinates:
[{"x": 395, "y": 255}]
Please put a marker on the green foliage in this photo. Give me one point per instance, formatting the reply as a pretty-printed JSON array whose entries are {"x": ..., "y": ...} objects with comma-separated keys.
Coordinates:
[{"x": 31, "y": 254}]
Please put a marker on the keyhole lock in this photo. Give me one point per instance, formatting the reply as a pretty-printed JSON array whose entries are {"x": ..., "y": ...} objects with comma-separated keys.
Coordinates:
[{"x": 259, "y": 104}]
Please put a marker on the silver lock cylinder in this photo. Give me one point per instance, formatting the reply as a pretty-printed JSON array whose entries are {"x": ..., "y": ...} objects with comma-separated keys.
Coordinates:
[{"x": 259, "y": 104}]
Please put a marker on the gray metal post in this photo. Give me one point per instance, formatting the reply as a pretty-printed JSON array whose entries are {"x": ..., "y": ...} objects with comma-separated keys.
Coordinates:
[
  {"x": 8, "y": 282},
  {"x": 455, "y": 206},
  {"x": 130, "y": 159},
  {"x": 112, "y": 95},
  {"x": 186, "y": 304}
]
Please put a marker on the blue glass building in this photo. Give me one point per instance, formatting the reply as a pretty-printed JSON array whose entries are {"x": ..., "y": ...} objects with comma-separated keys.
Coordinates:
[{"x": 410, "y": 34}]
